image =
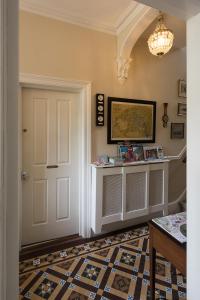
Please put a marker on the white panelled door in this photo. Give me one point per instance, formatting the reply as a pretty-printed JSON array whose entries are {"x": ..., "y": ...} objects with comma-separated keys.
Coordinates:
[{"x": 51, "y": 165}]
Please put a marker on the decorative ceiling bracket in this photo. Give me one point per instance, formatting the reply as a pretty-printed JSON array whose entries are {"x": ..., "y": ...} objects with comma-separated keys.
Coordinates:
[
  {"x": 123, "y": 66},
  {"x": 141, "y": 17}
]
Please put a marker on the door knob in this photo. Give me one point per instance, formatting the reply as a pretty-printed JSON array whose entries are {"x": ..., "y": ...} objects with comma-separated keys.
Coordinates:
[{"x": 24, "y": 175}]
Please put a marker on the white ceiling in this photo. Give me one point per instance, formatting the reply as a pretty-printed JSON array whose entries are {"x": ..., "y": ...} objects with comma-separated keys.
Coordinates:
[
  {"x": 184, "y": 9},
  {"x": 104, "y": 15}
]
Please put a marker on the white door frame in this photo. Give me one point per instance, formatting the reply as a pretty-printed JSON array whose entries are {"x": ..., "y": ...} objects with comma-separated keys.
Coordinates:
[
  {"x": 83, "y": 88},
  {"x": 9, "y": 240},
  {"x": 3, "y": 103}
]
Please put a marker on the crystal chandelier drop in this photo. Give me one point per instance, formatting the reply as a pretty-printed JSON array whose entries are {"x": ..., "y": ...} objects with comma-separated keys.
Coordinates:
[{"x": 161, "y": 40}]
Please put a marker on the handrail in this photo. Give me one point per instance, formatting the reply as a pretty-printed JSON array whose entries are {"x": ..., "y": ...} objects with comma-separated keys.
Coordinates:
[
  {"x": 180, "y": 198},
  {"x": 179, "y": 156}
]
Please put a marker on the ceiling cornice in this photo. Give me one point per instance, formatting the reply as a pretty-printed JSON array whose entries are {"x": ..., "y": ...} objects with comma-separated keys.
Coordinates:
[
  {"x": 36, "y": 7},
  {"x": 127, "y": 17}
]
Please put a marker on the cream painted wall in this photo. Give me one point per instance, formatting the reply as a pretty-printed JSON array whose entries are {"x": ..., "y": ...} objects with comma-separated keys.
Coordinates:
[
  {"x": 54, "y": 48},
  {"x": 157, "y": 79}
]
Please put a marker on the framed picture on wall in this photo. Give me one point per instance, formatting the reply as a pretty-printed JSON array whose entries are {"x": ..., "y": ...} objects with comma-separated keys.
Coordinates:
[
  {"x": 177, "y": 130},
  {"x": 182, "y": 88},
  {"x": 182, "y": 109},
  {"x": 131, "y": 120}
]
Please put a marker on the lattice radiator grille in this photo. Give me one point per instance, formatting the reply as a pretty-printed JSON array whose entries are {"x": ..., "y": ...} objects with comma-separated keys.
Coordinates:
[
  {"x": 135, "y": 191},
  {"x": 112, "y": 194},
  {"x": 155, "y": 187}
]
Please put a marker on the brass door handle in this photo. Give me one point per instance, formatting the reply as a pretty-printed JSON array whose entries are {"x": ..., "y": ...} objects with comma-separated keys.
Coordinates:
[
  {"x": 24, "y": 175},
  {"x": 52, "y": 167}
]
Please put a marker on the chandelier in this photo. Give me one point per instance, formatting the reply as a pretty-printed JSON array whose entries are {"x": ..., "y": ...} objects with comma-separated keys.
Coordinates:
[{"x": 161, "y": 40}]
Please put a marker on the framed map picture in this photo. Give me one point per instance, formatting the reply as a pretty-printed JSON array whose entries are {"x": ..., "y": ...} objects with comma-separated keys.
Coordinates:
[{"x": 131, "y": 120}]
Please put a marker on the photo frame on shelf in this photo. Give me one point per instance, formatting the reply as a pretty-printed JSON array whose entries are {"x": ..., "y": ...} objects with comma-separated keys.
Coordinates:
[
  {"x": 131, "y": 120},
  {"x": 123, "y": 151},
  {"x": 182, "y": 109},
  {"x": 103, "y": 159},
  {"x": 138, "y": 153},
  {"x": 150, "y": 153},
  {"x": 126, "y": 153},
  {"x": 182, "y": 88},
  {"x": 177, "y": 130},
  {"x": 160, "y": 152},
  {"x": 131, "y": 153}
]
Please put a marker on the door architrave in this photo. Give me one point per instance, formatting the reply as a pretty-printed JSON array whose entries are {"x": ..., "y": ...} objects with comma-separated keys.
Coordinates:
[{"x": 83, "y": 88}]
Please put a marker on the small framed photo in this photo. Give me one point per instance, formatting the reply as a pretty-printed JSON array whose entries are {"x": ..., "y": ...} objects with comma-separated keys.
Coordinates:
[
  {"x": 160, "y": 152},
  {"x": 182, "y": 88},
  {"x": 138, "y": 153},
  {"x": 123, "y": 152},
  {"x": 177, "y": 130},
  {"x": 103, "y": 159},
  {"x": 182, "y": 109},
  {"x": 150, "y": 153}
]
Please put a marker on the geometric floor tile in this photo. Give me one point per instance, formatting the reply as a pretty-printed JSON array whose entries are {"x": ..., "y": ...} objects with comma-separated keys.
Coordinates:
[
  {"x": 128, "y": 259},
  {"x": 77, "y": 296},
  {"x": 115, "y": 267},
  {"x": 91, "y": 272},
  {"x": 121, "y": 283},
  {"x": 45, "y": 289}
]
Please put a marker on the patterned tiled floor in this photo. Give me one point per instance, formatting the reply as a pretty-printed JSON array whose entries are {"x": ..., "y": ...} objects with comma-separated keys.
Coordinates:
[{"x": 115, "y": 268}]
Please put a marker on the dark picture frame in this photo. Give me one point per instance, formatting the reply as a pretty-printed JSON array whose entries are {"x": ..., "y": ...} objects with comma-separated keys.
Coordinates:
[
  {"x": 177, "y": 130},
  {"x": 131, "y": 120},
  {"x": 182, "y": 88},
  {"x": 182, "y": 109}
]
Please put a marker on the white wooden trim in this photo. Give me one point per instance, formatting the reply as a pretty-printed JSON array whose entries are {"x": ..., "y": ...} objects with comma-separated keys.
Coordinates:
[
  {"x": 123, "y": 194},
  {"x": 136, "y": 214},
  {"x": 147, "y": 189},
  {"x": 135, "y": 163},
  {"x": 9, "y": 74},
  {"x": 85, "y": 224},
  {"x": 111, "y": 219},
  {"x": 97, "y": 218},
  {"x": 165, "y": 189},
  {"x": 139, "y": 212},
  {"x": 95, "y": 215},
  {"x": 84, "y": 89},
  {"x": 99, "y": 208},
  {"x": 48, "y": 82}
]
